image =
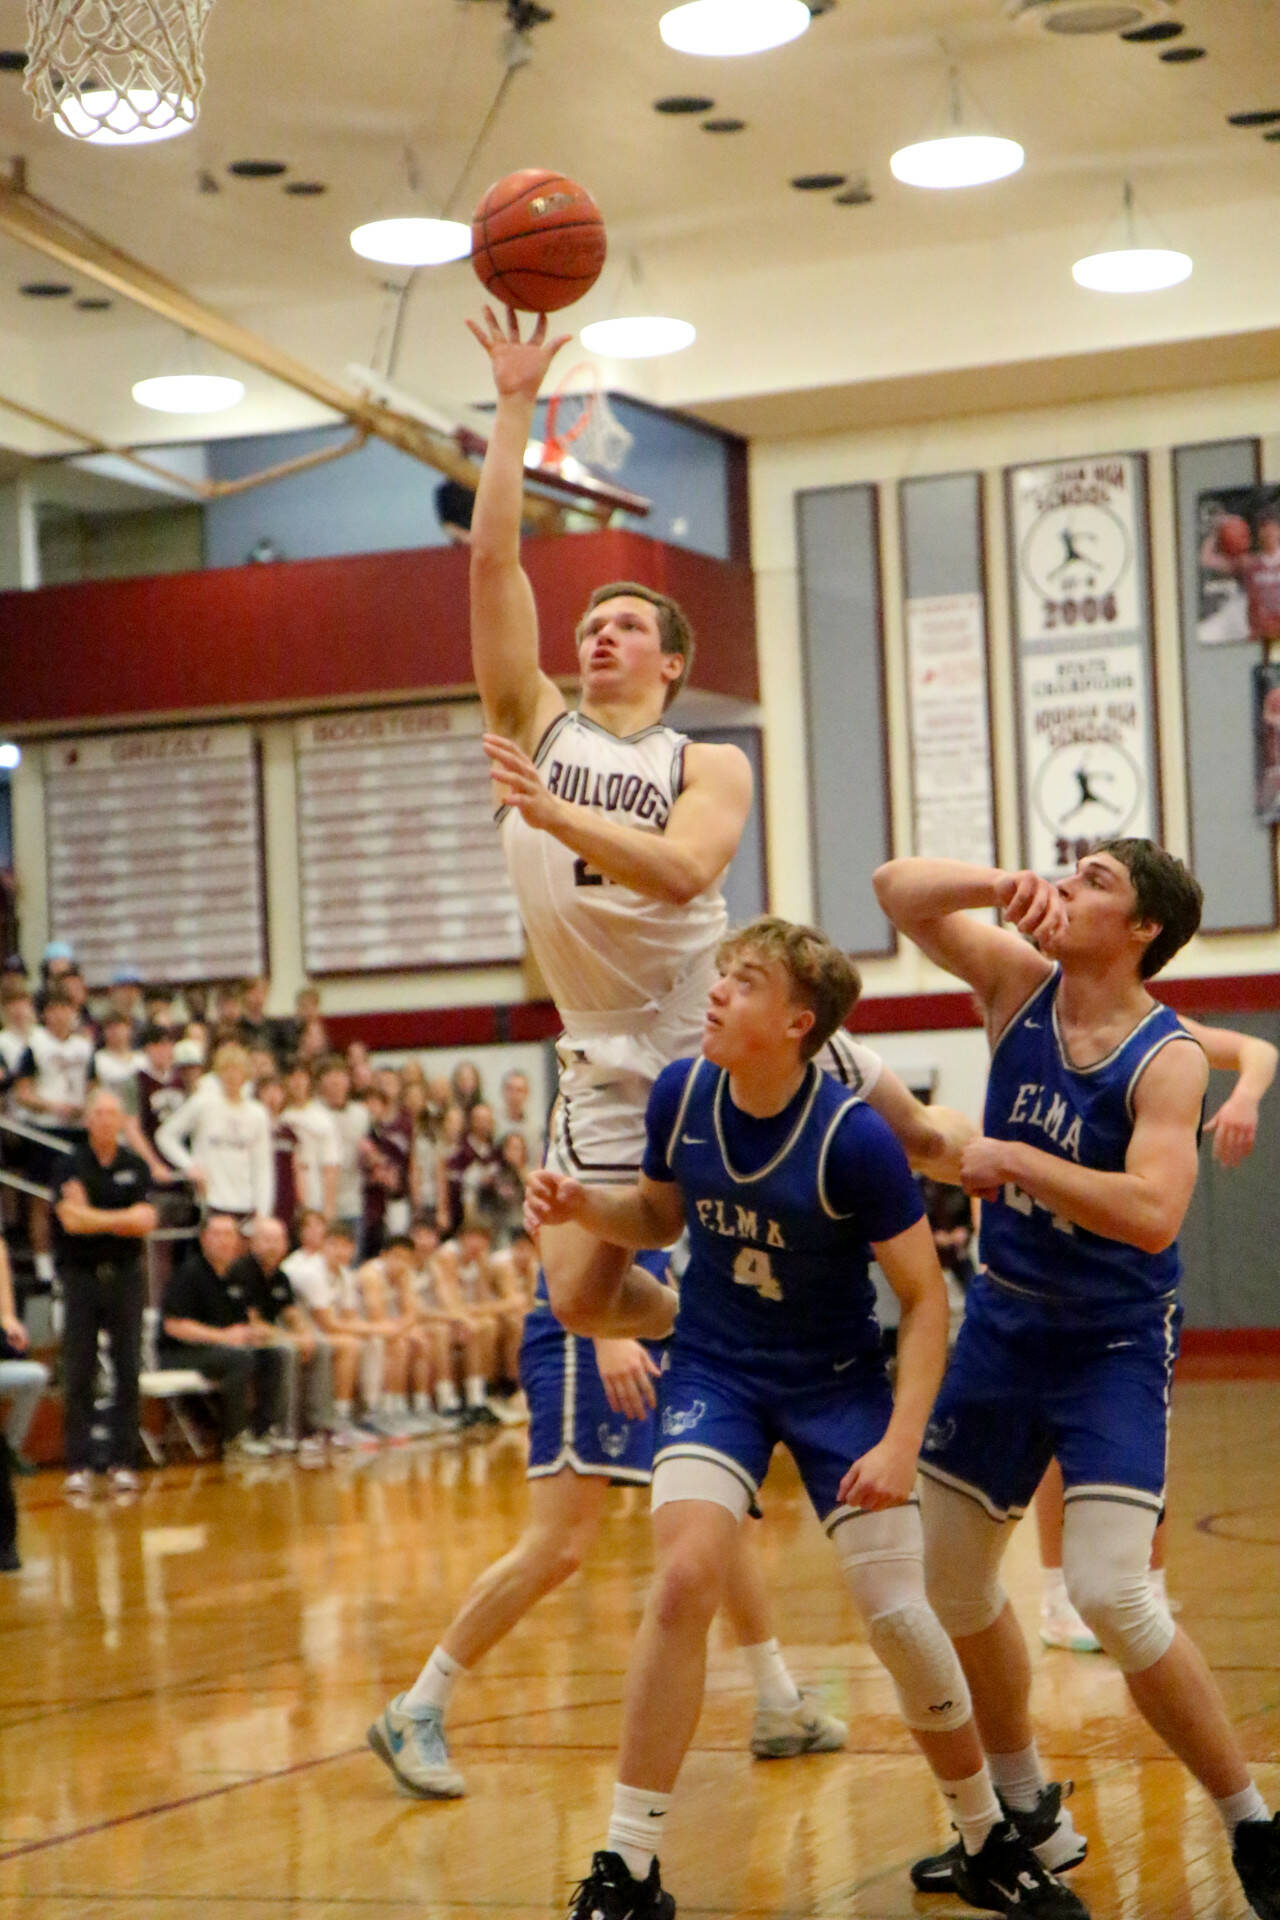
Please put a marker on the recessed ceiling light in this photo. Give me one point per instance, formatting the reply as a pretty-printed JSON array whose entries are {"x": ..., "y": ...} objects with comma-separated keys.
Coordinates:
[
  {"x": 1256, "y": 117},
  {"x": 305, "y": 189},
  {"x": 1160, "y": 30},
  {"x": 138, "y": 118},
  {"x": 46, "y": 289},
  {"x": 638, "y": 337},
  {"x": 1179, "y": 56},
  {"x": 257, "y": 169},
  {"x": 1132, "y": 270},
  {"x": 412, "y": 241},
  {"x": 957, "y": 160},
  {"x": 722, "y": 29},
  {"x": 818, "y": 182},
  {"x": 189, "y": 393},
  {"x": 858, "y": 195},
  {"x": 723, "y": 126},
  {"x": 13, "y": 60},
  {"x": 1271, "y": 136},
  {"x": 684, "y": 103},
  {"x": 93, "y": 303}
]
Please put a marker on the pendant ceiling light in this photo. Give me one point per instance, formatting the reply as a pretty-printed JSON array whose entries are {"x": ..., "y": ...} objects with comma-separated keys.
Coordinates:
[
  {"x": 638, "y": 337},
  {"x": 958, "y": 157},
  {"x": 189, "y": 392},
  {"x": 724, "y": 28},
  {"x": 1132, "y": 268},
  {"x": 412, "y": 241}
]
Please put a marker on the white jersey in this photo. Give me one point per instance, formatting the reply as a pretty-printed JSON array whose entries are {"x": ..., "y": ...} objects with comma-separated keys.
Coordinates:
[
  {"x": 231, "y": 1141},
  {"x": 60, "y": 1069},
  {"x": 617, "y": 963}
]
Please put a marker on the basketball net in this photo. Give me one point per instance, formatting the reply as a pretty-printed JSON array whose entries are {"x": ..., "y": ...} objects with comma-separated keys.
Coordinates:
[
  {"x": 585, "y": 425},
  {"x": 116, "y": 70}
]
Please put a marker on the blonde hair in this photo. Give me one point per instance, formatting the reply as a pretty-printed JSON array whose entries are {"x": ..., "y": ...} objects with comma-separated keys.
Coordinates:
[
  {"x": 231, "y": 1054},
  {"x": 822, "y": 976}
]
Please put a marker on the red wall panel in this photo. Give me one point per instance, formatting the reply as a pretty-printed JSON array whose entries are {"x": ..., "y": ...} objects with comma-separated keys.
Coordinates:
[{"x": 327, "y": 630}]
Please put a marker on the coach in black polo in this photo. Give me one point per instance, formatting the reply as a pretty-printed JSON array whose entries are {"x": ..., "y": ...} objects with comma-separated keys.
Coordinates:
[{"x": 104, "y": 1213}]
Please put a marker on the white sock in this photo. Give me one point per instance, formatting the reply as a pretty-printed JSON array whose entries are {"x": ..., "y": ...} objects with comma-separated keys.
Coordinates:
[
  {"x": 422, "y": 1403},
  {"x": 475, "y": 1389},
  {"x": 342, "y": 1412},
  {"x": 44, "y": 1267},
  {"x": 635, "y": 1827},
  {"x": 447, "y": 1397},
  {"x": 434, "y": 1684},
  {"x": 1248, "y": 1804},
  {"x": 1053, "y": 1588},
  {"x": 974, "y": 1808},
  {"x": 1018, "y": 1777},
  {"x": 394, "y": 1404},
  {"x": 770, "y": 1676}
]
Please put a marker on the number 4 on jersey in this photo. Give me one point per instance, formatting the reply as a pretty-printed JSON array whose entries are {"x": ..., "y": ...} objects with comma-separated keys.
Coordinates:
[{"x": 752, "y": 1268}]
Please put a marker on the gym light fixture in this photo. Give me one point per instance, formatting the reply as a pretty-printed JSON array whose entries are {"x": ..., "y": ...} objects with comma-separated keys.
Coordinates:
[
  {"x": 137, "y": 118},
  {"x": 637, "y": 337},
  {"x": 10, "y": 756},
  {"x": 1132, "y": 268},
  {"x": 956, "y": 158},
  {"x": 189, "y": 392},
  {"x": 412, "y": 241},
  {"x": 724, "y": 28}
]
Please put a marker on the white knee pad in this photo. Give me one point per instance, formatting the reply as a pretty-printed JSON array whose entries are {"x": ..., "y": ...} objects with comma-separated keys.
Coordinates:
[
  {"x": 963, "y": 1547},
  {"x": 1106, "y": 1553},
  {"x": 883, "y": 1560}
]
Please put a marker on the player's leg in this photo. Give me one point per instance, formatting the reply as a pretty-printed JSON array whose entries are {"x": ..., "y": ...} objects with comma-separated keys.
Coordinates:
[
  {"x": 1060, "y": 1624},
  {"x": 788, "y": 1720}
]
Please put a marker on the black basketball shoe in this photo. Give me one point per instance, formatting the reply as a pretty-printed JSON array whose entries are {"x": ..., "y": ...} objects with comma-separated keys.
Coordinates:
[
  {"x": 1255, "y": 1854},
  {"x": 611, "y": 1892},
  {"x": 1006, "y": 1877},
  {"x": 1045, "y": 1827}
]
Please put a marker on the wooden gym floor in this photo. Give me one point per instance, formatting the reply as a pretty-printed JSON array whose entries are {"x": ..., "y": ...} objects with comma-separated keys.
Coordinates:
[{"x": 187, "y": 1681}]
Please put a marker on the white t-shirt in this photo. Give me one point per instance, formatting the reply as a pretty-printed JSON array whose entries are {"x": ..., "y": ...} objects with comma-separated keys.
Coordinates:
[
  {"x": 311, "y": 1279},
  {"x": 319, "y": 1146},
  {"x": 120, "y": 1076},
  {"x": 60, "y": 1069},
  {"x": 231, "y": 1141},
  {"x": 352, "y": 1124}
]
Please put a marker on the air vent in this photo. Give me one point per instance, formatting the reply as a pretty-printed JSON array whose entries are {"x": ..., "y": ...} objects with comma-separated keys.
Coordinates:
[{"x": 1080, "y": 17}]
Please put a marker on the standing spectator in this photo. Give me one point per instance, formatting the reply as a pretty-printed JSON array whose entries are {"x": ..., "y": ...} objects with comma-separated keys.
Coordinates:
[
  {"x": 384, "y": 1156},
  {"x": 160, "y": 1089},
  {"x": 104, "y": 1212},
  {"x": 116, "y": 1063},
  {"x": 516, "y": 1117},
  {"x": 228, "y": 1009},
  {"x": 286, "y": 1151},
  {"x": 205, "y": 1323},
  {"x": 422, "y": 1148},
  {"x": 49, "y": 1089},
  {"x": 221, "y": 1139},
  {"x": 359, "y": 1068},
  {"x": 74, "y": 985},
  {"x": 17, "y": 1022},
  {"x": 195, "y": 999},
  {"x": 257, "y": 1029},
  {"x": 320, "y": 1144},
  {"x": 57, "y": 961},
  {"x": 313, "y": 1042},
  {"x": 465, "y": 1089},
  {"x": 124, "y": 996},
  {"x": 452, "y": 1161},
  {"x": 22, "y": 1379},
  {"x": 158, "y": 1008},
  {"x": 478, "y": 1156},
  {"x": 333, "y": 1086},
  {"x": 505, "y": 1210},
  {"x": 189, "y": 1057},
  {"x": 307, "y": 1401}
]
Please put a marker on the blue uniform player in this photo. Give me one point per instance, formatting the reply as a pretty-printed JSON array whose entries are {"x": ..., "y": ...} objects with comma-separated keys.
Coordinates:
[
  {"x": 1085, "y": 1171},
  {"x": 787, "y": 1184}
]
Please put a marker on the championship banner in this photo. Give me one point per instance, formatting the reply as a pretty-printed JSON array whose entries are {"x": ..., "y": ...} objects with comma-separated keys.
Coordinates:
[
  {"x": 1083, "y": 633},
  {"x": 950, "y": 744}
]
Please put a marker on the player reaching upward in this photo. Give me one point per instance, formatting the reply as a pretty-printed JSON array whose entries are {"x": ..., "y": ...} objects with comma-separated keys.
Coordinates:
[
  {"x": 788, "y": 1185},
  {"x": 1086, "y": 1171}
]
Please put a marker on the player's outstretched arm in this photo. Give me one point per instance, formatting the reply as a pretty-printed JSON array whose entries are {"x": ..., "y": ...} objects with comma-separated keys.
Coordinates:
[
  {"x": 885, "y": 1476},
  {"x": 519, "y": 699},
  {"x": 931, "y": 1137},
  {"x": 930, "y": 901},
  {"x": 696, "y": 845},
  {"x": 1235, "y": 1125},
  {"x": 650, "y": 1214},
  {"x": 1145, "y": 1205}
]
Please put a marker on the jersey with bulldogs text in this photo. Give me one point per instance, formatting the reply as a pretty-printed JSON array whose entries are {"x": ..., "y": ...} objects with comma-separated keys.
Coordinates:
[
  {"x": 1041, "y": 1270},
  {"x": 603, "y": 948}
]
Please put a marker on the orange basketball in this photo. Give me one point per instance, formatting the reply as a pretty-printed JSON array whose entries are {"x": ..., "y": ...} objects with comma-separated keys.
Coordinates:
[
  {"x": 537, "y": 241},
  {"x": 1234, "y": 535}
]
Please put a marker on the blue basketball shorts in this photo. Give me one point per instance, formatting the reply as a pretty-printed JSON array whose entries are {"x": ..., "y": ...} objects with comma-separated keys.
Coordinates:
[
  {"x": 1012, "y": 1400},
  {"x": 708, "y": 1412}
]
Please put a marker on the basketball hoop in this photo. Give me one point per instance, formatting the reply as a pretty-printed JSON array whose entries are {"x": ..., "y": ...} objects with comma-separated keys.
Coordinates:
[
  {"x": 594, "y": 432},
  {"x": 116, "y": 72}
]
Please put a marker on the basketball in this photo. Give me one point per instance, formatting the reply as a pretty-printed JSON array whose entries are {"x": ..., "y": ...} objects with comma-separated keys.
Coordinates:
[
  {"x": 1234, "y": 536},
  {"x": 537, "y": 241}
]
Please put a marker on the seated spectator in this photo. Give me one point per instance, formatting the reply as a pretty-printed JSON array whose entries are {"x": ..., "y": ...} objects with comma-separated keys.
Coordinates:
[
  {"x": 206, "y": 1324},
  {"x": 372, "y": 1308},
  {"x": 50, "y": 1085},
  {"x": 104, "y": 1215},
  {"x": 220, "y": 1138},
  {"x": 488, "y": 1315},
  {"x": 384, "y": 1158},
  {"x": 116, "y": 1063},
  {"x": 307, "y": 1414},
  {"x": 438, "y": 1101},
  {"x": 386, "y": 1287},
  {"x": 325, "y": 1288},
  {"x": 522, "y": 1259},
  {"x": 435, "y": 1327},
  {"x": 465, "y": 1089},
  {"x": 515, "y": 1116},
  {"x": 22, "y": 1380}
]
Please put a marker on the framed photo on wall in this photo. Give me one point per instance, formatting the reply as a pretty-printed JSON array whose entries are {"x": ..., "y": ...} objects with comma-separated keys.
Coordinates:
[{"x": 1239, "y": 562}]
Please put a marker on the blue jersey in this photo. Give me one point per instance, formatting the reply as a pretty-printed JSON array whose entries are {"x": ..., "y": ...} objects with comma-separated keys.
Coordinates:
[
  {"x": 781, "y": 1214},
  {"x": 1040, "y": 1269}
]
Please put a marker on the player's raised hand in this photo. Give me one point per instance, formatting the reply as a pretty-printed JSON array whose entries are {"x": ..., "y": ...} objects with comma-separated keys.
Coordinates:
[
  {"x": 519, "y": 366},
  {"x": 519, "y": 781},
  {"x": 551, "y": 1200},
  {"x": 1032, "y": 905},
  {"x": 883, "y": 1477},
  {"x": 627, "y": 1374},
  {"x": 1234, "y": 1128}
]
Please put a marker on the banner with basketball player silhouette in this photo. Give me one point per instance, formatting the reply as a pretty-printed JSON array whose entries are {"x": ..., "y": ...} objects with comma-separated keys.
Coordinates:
[
  {"x": 1081, "y": 607},
  {"x": 1239, "y": 532}
]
